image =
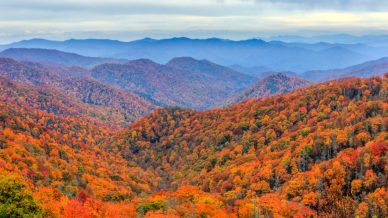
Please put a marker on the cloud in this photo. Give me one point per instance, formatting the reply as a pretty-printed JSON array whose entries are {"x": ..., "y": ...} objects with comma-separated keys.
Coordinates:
[
  {"x": 336, "y": 5},
  {"x": 126, "y": 19}
]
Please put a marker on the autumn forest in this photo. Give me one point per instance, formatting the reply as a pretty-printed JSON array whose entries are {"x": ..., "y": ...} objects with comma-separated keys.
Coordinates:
[
  {"x": 193, "y": 109},
  {"x": 317, "y": 151}
]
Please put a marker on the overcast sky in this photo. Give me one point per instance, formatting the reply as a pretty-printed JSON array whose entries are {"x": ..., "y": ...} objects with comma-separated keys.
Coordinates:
[{"x": 236, "y": 19}]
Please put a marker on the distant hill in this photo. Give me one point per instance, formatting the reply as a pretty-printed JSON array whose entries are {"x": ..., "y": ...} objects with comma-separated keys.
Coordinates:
[
  {"x": 86, "y": 47},
  {"x": 120, "y": 106},
  {"x": 184, "y": 82},
  {"x": 278, "y": 56},
  {"x": 225, "y": 75},
  {"x": 375, "y": 40},
  {"x": 54, "y": 57},
  {"x": 367, "y": 69},
  {"x": 277, "y": 83}
]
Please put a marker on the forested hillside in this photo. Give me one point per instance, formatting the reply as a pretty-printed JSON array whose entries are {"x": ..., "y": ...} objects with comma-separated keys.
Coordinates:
[
  {"x": 50, "y": 145},
  {"x": 117, "y": 106},
  {"x": 322, "y": 147},
  {"x": 317, "y": 151}
]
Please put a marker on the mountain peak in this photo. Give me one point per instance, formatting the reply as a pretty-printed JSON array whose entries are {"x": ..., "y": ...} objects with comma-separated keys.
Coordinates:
[
  {"x": 282, "y": 74},
  {"x": 36, "y": 40},
  {"x": 142, "y": 62},
  {"x": 184, "y": 60},
  {"x": 275, "y": 83}
]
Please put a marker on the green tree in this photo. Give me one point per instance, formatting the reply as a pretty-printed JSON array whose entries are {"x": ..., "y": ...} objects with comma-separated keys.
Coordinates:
[{"x": 16, "y": 198}]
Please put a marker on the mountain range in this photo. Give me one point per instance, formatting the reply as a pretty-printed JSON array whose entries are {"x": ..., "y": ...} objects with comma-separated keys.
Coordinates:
[
  {"x": 275, "y": 55},
  {"x": 184, "y": 81},
  {"x": 117, "y": 136},
  {"x": 374, "y": 40}
]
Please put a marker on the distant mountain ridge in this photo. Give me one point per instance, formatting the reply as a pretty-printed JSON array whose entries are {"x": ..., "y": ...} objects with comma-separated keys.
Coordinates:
[
  {"x": 297, "y": 57},
  {"x": 367, "y": 69},
  {"x": 376, "y": 40},
  {"x": 56, "y": 57}
]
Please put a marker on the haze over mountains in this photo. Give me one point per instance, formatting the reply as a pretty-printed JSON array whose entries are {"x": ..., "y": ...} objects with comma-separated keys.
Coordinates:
[
  {"x": 54, "y": 57},
  {"x": 182, "y": 81},
  {"x": 275, "y": 55}
]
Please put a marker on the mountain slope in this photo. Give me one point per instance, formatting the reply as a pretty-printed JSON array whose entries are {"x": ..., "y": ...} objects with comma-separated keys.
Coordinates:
[
  {"x": 277, "y": 83},
  {"x": 50, "y": 144},
  {"x": 184, "y": 82},
  {"x": 120, "y": 106},
  {"x": 207, "y": 68},
  {"x": 15, "y": 70},
  {"x": 367, "y": 69},
  {"x": 323, "y": 147},
  {"x": 55, "y": 57}
]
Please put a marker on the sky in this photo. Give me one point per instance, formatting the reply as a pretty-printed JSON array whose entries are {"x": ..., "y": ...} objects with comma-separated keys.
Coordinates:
[{"x": 234, "y": 19}]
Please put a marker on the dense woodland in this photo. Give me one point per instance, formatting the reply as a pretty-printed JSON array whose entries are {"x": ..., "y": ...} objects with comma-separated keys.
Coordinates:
[{"x": 320, "y": 151}]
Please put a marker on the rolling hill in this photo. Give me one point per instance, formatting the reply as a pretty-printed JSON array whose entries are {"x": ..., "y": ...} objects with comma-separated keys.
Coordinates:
[
  {"x": 120, "y": 106},
  {"x": 183, "y": 82}
]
